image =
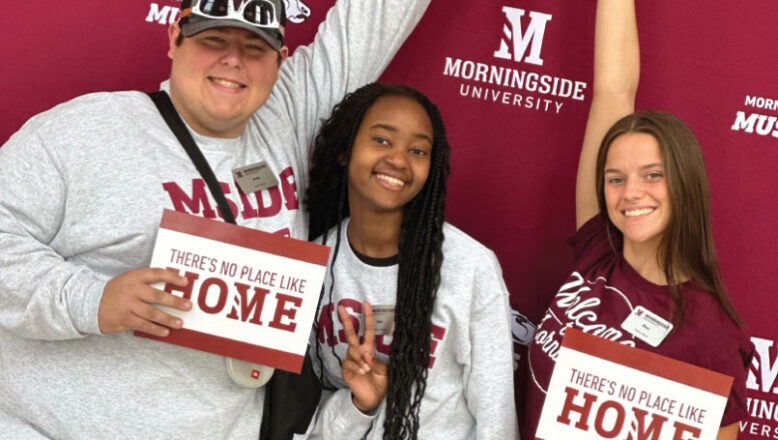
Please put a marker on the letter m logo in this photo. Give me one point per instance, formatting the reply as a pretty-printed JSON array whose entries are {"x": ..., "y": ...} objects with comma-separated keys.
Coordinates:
[
  {"x": 165, "y": 15},
  {"x": 764, "y": 367},
  {"x": 516, "y": 42}
]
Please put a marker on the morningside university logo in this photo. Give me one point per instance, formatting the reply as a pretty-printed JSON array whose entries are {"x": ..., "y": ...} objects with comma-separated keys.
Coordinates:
[
  {"x": 511, "y": 79},
  {"x": 296, "y": 12},
  {"x": 762, "y": 386},
  {"x": 761, "y": 117}
]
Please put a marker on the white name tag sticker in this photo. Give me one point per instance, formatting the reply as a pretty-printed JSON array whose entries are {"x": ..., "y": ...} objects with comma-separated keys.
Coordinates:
[
  {"x": 647, "y": 326},
  {"x": 383, "y": 319},
  {"x": 254, "y": 177}
]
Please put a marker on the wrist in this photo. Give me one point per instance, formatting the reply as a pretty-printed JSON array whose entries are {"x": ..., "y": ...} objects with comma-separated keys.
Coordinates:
[{"x": 364, "y": 409}]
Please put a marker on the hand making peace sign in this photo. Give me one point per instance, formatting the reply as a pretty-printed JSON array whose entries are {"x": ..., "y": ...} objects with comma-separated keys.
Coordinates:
[{"x": 364, "y": 374}]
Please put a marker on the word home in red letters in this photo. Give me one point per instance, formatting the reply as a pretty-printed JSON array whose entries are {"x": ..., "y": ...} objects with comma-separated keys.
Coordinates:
[
  {"x": 603, "y": 389},
  {"x": 254, "y": 294}
]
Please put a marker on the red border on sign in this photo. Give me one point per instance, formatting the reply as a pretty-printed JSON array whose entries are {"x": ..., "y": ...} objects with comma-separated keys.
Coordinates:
[
  {"x": 231, "y": 348},
  {"x": 651, "y": 363},
  {"x": 245, "y": 237}
]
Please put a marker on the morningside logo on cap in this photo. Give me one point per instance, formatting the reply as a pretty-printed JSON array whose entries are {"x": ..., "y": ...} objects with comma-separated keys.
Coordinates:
[{"x": 265, "y": 18}]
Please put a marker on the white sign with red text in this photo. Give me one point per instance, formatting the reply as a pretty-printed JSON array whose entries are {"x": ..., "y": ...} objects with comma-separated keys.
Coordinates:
[
  {"x": 602, "y": 389},
  {"x": 254, "y": 294}
]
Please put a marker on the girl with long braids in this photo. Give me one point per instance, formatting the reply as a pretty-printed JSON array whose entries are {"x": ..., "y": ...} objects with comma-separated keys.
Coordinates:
[
  {"x": 435, "y": 356},
  {"x": 644, "y": 242}
]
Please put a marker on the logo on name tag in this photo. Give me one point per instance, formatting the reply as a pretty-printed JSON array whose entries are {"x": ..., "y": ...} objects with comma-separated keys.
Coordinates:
[{"x": 647, "y": 326}]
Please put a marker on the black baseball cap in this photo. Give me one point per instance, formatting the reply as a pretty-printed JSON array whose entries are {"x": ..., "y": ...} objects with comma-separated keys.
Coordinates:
[{"x": 265, "y": 18}]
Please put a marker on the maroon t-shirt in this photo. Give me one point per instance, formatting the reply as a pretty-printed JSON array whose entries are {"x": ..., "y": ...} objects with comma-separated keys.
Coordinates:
[{"x": 597, "y": 297}]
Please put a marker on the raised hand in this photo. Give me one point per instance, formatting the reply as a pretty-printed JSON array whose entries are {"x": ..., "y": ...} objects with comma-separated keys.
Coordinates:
[
  {"x": 128, "y": 299},
  {"x": 615, "y": 84},
  {"x": 365, "y": 375}
]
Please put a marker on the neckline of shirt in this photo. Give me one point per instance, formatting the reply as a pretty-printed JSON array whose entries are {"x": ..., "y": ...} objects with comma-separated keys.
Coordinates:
[
  {"x": 209, "y": 143},
  {"x": 373, "y": 261},
  {"x": 370, "y": 261}
]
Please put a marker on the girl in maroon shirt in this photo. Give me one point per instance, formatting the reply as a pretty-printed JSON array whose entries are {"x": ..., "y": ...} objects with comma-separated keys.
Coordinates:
[{"x": 644, "y": 235}]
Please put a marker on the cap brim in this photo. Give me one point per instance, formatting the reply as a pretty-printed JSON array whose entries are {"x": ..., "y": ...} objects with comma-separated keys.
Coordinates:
[{"x": 195, "y": 27}]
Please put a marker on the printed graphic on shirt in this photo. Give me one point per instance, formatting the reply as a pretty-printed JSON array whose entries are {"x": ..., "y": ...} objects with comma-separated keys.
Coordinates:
[
  {"x": 577, "y": 304},
  {"x": 197, "y": 200},
  {"x": 332, "y": 336}
]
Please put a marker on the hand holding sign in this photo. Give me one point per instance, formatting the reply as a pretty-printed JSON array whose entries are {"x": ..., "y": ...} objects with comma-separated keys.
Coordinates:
[
  {"x": 364, "y": 374},
  {"x": 127, "y": 303},
  {"x": 252, "y": 295}
]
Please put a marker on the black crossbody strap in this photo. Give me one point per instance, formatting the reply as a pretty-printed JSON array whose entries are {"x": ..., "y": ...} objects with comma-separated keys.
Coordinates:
[{"x": 173, "y": 120}]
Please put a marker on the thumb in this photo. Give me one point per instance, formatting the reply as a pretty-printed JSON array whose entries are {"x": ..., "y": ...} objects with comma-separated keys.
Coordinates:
[{"x": 380, "y": 367}]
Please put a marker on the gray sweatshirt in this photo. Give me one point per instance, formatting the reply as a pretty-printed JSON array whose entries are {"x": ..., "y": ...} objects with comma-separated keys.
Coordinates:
[
  {"x": 469, "y": 392},
  {"x": 82, "y": 190}
]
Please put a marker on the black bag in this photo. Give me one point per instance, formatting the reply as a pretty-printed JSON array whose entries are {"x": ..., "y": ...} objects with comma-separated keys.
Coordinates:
[{"x": 290, "y": 402}]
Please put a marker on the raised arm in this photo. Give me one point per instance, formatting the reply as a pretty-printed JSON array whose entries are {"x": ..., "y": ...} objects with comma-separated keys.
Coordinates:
[
  {"x": 616, "y": 75},
  {"x": 353, "y": 46}
]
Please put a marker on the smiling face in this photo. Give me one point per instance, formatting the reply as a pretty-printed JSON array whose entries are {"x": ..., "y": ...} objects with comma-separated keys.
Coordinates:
[
  {"x": 635, "y": 188},
  {"x": 390, "y": 158},
  {"x": 220, "y": 77}
]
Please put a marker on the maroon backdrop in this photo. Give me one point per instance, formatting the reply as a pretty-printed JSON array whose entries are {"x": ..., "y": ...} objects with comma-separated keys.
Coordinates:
[{"x": 515, "y": 147}]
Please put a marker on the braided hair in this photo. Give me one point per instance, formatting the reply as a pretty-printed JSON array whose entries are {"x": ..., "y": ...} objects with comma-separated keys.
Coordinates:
[{"x": 420, "y": 244}]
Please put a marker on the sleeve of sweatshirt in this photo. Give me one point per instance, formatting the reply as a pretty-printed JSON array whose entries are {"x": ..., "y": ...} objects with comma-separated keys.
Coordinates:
[
  {"x": 339, "y": 419},
  {"x": 353, "y": 46},
  {"x": 42, "y": 296},
  {"x": 489, "y": 381}
]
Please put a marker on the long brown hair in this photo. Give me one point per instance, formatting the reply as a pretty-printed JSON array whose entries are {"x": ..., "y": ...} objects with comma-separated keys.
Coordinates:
[{"x": 686, "y": 248}]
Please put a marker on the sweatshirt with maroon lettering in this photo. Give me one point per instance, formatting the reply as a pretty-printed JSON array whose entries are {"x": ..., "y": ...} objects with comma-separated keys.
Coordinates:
[
  {"x": 82, "y": 191},
  {"x": 469, "y": 393}
]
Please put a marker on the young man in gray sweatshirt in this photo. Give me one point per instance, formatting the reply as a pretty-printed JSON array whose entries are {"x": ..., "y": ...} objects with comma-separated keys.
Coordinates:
[{"x": 83, "y": 187}]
